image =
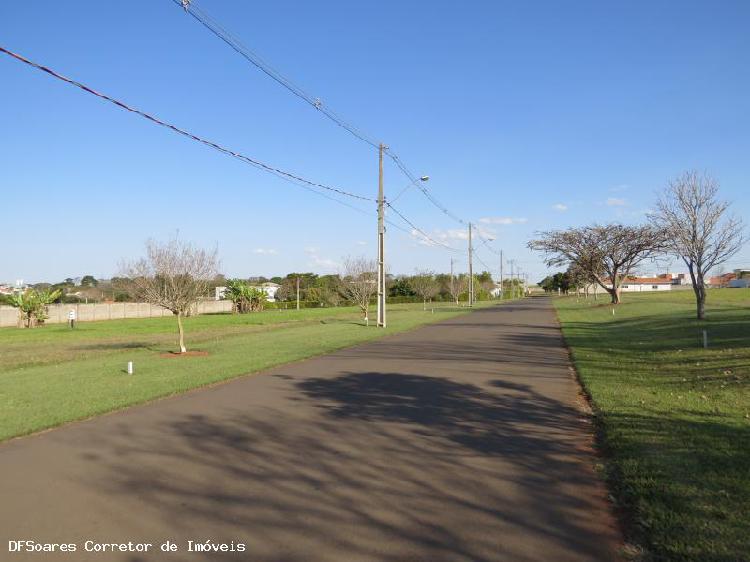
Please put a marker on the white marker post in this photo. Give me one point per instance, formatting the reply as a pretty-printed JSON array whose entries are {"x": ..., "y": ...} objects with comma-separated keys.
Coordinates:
[{"x": 130, "y": 367}]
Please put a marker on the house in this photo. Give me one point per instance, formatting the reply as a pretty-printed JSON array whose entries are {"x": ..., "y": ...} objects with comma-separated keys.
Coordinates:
[
  {"x": 663, "y": 282},
  {"x": 269, "y": 288},
  {"x": 723, "y": 280},
  {"x": 639, "y": 284}
]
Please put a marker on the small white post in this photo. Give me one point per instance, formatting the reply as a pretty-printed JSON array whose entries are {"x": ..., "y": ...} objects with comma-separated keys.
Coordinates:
[
  {"x": 705, "y": 339},
  {"x": 613, "y": 312},
  {"x": 130, "y": 367}
]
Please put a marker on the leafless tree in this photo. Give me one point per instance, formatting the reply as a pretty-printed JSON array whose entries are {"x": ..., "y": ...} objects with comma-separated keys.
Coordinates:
[
  {"x": 173, "y": 275},
  {"x": 608, "y": 253},
  {"x": 360, "y": 281},
  {"x": 458, "y": 286},
  {"x": 425, "y": 285},
  {"x": 699, "y": 228}
]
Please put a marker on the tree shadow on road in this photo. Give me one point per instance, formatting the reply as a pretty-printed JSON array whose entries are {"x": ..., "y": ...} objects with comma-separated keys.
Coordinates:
[{"x": 375, "y": 466}]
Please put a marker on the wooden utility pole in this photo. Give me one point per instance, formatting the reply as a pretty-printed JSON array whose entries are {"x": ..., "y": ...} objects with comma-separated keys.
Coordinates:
[
  {"x": 298, "y": 292},
  {"x": 452, "y": 285},
  {"x": 502, "y": 288},
  {"x": 471, "y": 271},
  {"x": 381, "y": 242}
]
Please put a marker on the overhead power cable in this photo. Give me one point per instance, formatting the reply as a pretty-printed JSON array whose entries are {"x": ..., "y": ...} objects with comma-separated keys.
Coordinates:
[
  {"x": 487, "y": 244},
  {"x": 297, "y": 180},
  {"x": 482, "y": 262},
  {"x": 430, "y": 197},
  {"x": 420, "y": 231},
  {"x": 253, "y": 58}
]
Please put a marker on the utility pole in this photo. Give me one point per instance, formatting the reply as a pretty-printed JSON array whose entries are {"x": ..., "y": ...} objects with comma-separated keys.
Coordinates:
[
  {"x": 452, "y": 286},
  {"x": 471, "y": 271},
  {"x": 381, "y": 242},
  {"x": 512, "y": 285},
  {"x": 297, "y": 292},
  {"x": 502, "y": 288}
]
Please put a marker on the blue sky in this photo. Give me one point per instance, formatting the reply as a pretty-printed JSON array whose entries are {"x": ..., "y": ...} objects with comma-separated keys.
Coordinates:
[{"x": 527, "y": 115}]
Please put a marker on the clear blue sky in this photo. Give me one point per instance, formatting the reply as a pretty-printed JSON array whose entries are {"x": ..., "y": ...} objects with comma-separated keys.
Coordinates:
[{"x": 551, "y": 114}]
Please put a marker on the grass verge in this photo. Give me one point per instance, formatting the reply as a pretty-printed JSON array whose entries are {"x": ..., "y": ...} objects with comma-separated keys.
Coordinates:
[
  {"x": 52, "y": 375},
  {"x": 674, "y": 417}
]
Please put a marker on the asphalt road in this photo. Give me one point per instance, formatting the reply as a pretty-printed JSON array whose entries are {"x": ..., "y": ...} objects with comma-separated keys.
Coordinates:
[{"x": 461, "y": 440}]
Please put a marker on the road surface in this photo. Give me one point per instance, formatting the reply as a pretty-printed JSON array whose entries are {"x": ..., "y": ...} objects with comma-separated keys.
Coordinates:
[{"x": 460, "y": 440}]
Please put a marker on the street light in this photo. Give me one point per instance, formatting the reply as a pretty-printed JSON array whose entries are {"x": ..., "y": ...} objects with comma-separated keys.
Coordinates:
[{"x": 405, "y": 189}]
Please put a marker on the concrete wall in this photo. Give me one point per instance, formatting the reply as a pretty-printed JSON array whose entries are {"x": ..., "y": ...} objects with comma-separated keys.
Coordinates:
[
  {"x": 644, "y": 287},
  {"x": 58, "y": 313}
]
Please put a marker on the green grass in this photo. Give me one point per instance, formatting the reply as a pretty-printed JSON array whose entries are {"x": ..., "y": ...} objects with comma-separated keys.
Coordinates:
[
  {"x": 52, "y": 375},
  {"x": 674, "y": 417}
]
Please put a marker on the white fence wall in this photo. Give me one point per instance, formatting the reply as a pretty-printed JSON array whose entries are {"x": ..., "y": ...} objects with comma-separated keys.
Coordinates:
[{"x": 58, "y": 313}]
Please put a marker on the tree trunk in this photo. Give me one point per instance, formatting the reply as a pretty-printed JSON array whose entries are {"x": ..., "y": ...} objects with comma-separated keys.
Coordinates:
[
  {"x": 699, "y": 288},
  {"x": 700, "y": 298},
  {"x": 183, "y": 349},
  {"x": 614, "y": 292}
]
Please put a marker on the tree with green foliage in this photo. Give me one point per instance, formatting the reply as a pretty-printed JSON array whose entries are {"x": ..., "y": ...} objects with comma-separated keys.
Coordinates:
[
  {"x": 245, "y": 298},
  {"x": 32, "y": 306},
  {"x": 329, "y": 290},
  {"x": 401, "y": 287},
  {"x": 89, "y": 281}
]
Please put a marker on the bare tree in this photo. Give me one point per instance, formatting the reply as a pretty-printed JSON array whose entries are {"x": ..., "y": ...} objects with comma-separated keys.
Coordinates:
[
  {"x": 458, "y": 286},
  {"x": 700, "y": 231},
  {"x": 173, "y": 275},
  {"x": 359, "y": 277},
  {"x": 425, "y": 285},
  {"x": 607, "y": 253}
]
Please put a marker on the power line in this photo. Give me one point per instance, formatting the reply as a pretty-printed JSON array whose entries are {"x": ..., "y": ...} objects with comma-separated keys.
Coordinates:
[
  {"x": 407, "y": 187},
  {"x": 253, "y": 58},
  {"x": 210, "y": 23},
  {"x": 482, "y": 262},
  {"x": 297, "y": 180},
  {"x": 430, "y": 197},
  {"x": 420, "y": 231},
  {"x": 487, "y": 244},
  {"x": 292, "y": 178}
]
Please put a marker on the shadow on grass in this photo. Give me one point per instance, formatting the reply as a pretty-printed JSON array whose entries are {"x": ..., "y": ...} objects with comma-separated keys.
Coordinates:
[
  {"x": 116, "y": 346},
  {"x": 684, "y": 482}
]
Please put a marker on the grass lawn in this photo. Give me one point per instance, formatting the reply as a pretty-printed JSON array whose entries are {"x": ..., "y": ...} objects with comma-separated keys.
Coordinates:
[
  {"x": 51, "y": 375},
  {"x": 674, "y": 417}
]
